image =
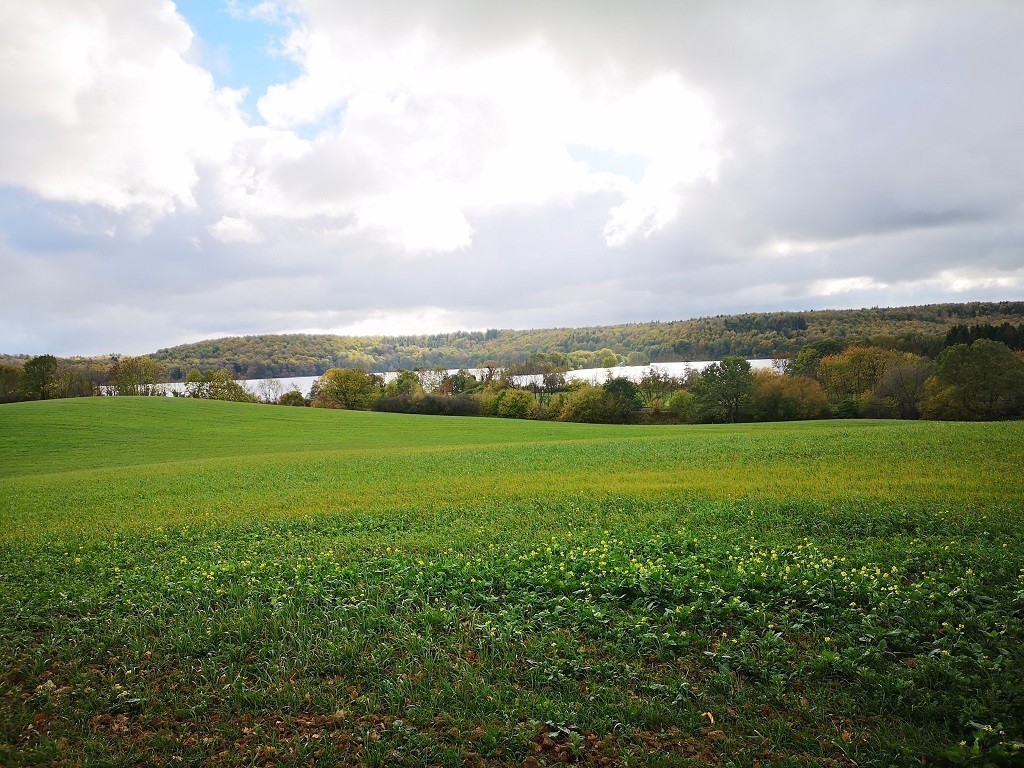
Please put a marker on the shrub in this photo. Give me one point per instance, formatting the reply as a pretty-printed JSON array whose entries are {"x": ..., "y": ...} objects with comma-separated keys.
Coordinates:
[
  {"x": 430, "y": 405},
  {"x": 517, "y": 404},
  {"x": 681, "y": 405},
  {"x": 587, "y": 404},
  {"x": 777, "y": 397},
  {"x": 293, "y": 397}
]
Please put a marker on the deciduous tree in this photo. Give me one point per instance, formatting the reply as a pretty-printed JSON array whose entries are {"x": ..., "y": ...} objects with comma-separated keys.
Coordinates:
[
  {"x": 136, "y": 376},
  {"x": 624, "y": 399},
  {"x": 216, "y": 385},
  {"x": 854, "y": 372},
  {"x": 10, "y": 383},
  {"x": 352, "y": 389},
  {"x": 681, "y": 404},
  {"x": 902, "y": 384},
  {"x": 38, "y": 377},
  {"x": 806, "y": 361},
  {"x": 406, "y": 384},
  {"x": 723, "y": 390},
  {"x": 777, "y": 397},
  {"x": 459, "y": 383},
  {"x": 587, "y": 404},
  {"x": 982, "y": 381},
  {"x": 656, "y": 386}
]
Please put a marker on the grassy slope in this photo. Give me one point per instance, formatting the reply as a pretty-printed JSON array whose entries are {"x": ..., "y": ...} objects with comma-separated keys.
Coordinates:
[
  {"x": 98, "y": 465},
  {"x": 235, "y": 584}
]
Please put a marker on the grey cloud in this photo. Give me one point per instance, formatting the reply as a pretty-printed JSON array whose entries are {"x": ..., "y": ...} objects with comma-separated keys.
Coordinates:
[{"x": 882, "y": 139}]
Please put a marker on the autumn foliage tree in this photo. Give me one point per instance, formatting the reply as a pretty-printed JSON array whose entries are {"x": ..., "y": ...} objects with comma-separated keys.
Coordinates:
[
  {"x": 405, "y": 384},
  {"x": 982, "y": 381},
  {"x": 807, "y": 360},
  {"x": 136, "y": 376},
  {"x": 853, "y": 372},
  {"x": 517, "y": 404},
  {"x": 216, "y": 385},
  {"x": 586, "y": 403},
  {"x": 775, "y": 397},
  {"x": 352, "y": 389}
]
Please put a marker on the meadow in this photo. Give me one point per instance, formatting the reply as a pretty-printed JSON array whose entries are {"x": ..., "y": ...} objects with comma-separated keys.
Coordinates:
[{"x": 200, "y": 582}]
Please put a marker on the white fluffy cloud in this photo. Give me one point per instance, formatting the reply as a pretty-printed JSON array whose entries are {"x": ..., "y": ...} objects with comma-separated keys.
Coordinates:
[
  {"x": 102, "y": 105},
  {"x": 419, "y": 136},
  {"x": 449, "y": 162},
  {"x": 234, "y": 230}
]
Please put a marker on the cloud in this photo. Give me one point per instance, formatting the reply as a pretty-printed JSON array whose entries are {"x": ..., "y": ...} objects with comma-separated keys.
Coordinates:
[
  {"x": 234, "y": 230},
  {"x": 102, "y": 105},
  {"x": 454, "y": 131},
  {"x": 430, "y": 319},
  {"x": 441, "y": 162},
  {"x": 964, "y": 280},
  {"x": 834, "y": 286}
]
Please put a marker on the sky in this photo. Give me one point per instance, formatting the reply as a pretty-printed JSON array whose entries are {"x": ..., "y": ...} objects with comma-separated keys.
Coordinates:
[{"x": 171, "y": 172}]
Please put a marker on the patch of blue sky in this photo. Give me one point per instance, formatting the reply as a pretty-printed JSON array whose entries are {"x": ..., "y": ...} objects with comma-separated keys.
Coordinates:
[
  {"x": 314, "y": 130},
  {"x": 630, "y": 166},
  {"x": 239, "y": 49}
]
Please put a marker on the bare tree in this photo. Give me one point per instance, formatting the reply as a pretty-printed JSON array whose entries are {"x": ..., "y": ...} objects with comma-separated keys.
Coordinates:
[{"x": 269, "y": 391}]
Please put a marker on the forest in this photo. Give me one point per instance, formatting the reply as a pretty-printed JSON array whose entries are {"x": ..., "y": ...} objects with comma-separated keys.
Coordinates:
[{"x": 921, "y": 330}]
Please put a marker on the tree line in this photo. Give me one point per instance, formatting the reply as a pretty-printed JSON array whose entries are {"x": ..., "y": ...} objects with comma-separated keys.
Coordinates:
[
  {"x": 923, "y": 330},
  {"x": 983, "y": 380},
  {"x": 980, "y": 378}
]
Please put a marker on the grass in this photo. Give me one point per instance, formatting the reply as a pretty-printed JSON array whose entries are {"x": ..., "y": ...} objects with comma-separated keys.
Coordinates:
[{"x": 187, "y": 582}]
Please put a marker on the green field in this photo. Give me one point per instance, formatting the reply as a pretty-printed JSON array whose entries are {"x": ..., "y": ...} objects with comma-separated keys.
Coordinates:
[{"x": 197, "y": 582}]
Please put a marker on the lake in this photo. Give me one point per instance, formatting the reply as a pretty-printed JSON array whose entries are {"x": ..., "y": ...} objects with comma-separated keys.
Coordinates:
[{"x": 592, "y": 375}]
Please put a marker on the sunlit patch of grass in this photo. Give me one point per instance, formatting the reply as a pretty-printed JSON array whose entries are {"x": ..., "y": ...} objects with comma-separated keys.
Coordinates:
[
  {"x": 793, "y": 594},
  {"x": 107, "y": 464}
]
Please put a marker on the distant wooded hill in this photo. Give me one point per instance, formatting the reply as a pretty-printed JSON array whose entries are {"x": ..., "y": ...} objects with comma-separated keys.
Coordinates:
[{"x": 922, "y": 329}]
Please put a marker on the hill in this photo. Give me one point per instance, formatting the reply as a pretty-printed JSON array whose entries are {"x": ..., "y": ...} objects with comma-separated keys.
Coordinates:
[
  {"x": 97, "y": 459},
  {"x": 920, "y": 329}
]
